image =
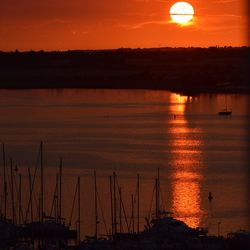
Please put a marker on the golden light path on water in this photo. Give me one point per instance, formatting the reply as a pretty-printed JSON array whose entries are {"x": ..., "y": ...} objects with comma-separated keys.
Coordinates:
[{"x": 186, "y": 176}]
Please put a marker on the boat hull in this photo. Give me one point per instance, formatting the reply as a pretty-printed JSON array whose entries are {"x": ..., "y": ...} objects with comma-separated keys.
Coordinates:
[{"x": 225, "y": 113}]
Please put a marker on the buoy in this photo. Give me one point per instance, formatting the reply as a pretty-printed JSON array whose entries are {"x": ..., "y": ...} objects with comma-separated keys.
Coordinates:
[{"x": 210, "y": 196}]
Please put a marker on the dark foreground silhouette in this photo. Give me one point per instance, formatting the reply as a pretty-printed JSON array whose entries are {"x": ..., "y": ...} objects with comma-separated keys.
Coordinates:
[
  {"x": 38, "y": 228},
  {"x": 182, "y": 69}
]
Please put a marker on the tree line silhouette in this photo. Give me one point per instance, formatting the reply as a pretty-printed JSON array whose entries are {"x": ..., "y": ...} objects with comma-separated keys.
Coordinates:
[{"x": 213, "y": 69}]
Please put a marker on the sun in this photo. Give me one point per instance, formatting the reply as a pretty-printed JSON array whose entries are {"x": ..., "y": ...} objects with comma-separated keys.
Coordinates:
[{"x": 182, "y": 13}]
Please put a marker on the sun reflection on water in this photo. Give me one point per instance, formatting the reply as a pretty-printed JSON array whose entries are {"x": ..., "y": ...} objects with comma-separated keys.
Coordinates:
[{"x": 186, "y": 165}]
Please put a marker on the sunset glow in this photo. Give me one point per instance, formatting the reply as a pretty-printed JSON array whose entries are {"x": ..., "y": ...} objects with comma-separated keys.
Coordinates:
[{"x": 107, "y": 24}]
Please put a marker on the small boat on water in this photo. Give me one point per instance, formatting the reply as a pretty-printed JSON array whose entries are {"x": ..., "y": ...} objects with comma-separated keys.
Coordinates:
[{"x": 225, "y": 112}]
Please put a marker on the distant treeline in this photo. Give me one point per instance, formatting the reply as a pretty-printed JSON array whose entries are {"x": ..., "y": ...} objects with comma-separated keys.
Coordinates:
[{"x": 211, "y": 69}]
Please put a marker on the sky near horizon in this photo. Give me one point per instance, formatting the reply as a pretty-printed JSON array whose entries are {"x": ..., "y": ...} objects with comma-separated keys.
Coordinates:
[{"x": 105, "y": 24}]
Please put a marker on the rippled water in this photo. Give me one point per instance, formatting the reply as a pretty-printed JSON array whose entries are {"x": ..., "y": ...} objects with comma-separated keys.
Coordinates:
[{"x": 132, "y": 132}]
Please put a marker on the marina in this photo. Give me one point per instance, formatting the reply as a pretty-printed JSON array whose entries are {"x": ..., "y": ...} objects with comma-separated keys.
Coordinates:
[{"x": 161, "y": 229}]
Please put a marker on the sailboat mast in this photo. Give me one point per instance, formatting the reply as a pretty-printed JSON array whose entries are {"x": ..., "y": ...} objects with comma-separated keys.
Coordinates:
[
  {"x": 96, "y": 207},
  {"x": 4, "y": 181},
  {"x": 20, "y": 199},
  {"x": 60, "y": 189},
  {"x": 120, "y": 209},
  {"x": 157, "y": 191},
  {"x": 56, "y": 199},
  {"x": 132, "y": 213},
  {"x": 31, "y": 198},
  {"x": 156, "y": 198},
  {"x": 12, "y": 191},
  {"x": 115, "y": 214},
  {"x": 111, "y": 205},
  {"x": 79, "y": 209},
  {"x": 138, "y": 203},
  {"x": 42, "y": 186}
]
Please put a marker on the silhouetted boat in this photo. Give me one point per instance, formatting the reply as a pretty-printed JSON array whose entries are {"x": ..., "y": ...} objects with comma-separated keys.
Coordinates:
[
  {"x": 48, "y": 229},
  {"x": 239, "y": 239},
  {"x": 225, "y": 111},
  {"x": 8, "y": 233},
  {"x": 168, "y": 227},
  {"x": 164, "y": 226}
]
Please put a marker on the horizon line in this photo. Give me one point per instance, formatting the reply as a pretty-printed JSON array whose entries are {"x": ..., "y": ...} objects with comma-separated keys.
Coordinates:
[{"x": 126, "y": 48}]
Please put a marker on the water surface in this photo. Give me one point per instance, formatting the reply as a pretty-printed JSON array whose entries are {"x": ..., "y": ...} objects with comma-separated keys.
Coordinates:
[{"x": 132, "y": 132}]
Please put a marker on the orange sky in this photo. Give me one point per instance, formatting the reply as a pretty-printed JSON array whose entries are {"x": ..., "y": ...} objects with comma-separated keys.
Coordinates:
[{"x": 102, "y": 24}]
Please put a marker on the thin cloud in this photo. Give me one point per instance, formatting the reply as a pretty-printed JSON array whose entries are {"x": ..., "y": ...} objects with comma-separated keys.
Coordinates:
[
  {"x": 226, "y": 1},
  {"x": 142, "y": 24}
]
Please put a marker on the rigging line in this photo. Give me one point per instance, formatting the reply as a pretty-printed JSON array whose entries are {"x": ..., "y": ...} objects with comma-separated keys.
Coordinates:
[
  {"x": 131, "y": 221},
  {"x": 11, "y": 183},
  {"x": 32, "y": 188},
  {"x": 135, "y": 198},
  {"x": 151, "y": 202},
  {"x": 17, "y": 192},
  {"x": 54, "y": 197},
  {"x": 35, "y": 199},
  {"x": 8, "y": 180},
  {"x": 31, "y": 204},
  {"x": 73, "y": 206},
  {"x": 103, "y": 217},
  {"x": 123, "y": 208},
  {"x": 163, "y": 201},
  {"x": 124, "y": 213},
  {"x": 120, "y": 209}
]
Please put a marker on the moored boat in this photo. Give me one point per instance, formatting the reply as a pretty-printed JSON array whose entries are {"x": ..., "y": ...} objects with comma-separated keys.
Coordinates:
[{"x": 225, "y": 112}]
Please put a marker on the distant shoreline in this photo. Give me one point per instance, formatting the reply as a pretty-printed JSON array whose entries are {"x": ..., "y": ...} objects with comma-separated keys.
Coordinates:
[
  {"x": 182, "y": 70},
  {"x": 179, "y": 91}
]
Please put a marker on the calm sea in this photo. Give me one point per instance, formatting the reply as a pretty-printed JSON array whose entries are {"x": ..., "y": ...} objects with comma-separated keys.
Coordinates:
[{"x": 131, "y": 132}]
